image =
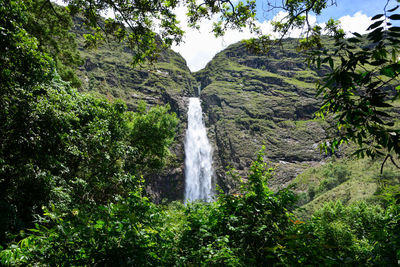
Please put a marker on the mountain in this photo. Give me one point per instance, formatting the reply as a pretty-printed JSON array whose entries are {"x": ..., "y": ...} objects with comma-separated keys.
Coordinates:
[
  {"x": 107, "y": 71},
  {"x": 248, "y": 100}
]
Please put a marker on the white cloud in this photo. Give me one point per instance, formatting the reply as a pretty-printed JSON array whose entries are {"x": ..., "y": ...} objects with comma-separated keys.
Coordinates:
[
  {"x": 200, "y": 47},
  {"x": 359, "y": 22}
]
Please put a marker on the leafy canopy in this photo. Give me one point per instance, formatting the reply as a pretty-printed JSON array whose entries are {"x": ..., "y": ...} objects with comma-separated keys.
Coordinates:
[
  {"x": 362, "y": 87},
  {"x": 59, "y": 147}
]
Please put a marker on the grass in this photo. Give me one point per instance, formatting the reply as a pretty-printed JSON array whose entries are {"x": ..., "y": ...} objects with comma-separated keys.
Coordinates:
[{"x": 362, "y": 182}]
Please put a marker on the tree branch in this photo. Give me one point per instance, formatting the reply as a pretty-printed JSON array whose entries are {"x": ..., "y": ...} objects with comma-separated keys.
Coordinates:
[{"x": 391, "y": 159}]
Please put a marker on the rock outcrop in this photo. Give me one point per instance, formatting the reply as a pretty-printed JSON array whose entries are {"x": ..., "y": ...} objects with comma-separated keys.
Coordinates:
[{"x": 253, "y": 100}]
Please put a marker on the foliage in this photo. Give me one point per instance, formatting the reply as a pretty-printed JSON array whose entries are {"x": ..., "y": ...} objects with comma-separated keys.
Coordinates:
[
  {"x": 297, "y": 16},
  {"x": 339, "y": 235},
  {"x": 123, "y": 234},
  {"x": 23, "y": 66},
  {"x": 51, "y": 25},
  {"x": 243, "y": 229},
  {"x": 334, "y": 175},
  {"x": 151, "y": 25},
  {"x": 74, "y": 162},
  {"x": 248, "y": 229},
  {"x": 134, "y": 22},
  {"x": 72, "y": 149},
  {"x": 32, "y": 31},
  {"x": 359, "y": 90},
  {"x": 21, "y": 62},
  {"x": 151, "y": 134},
  {"x": 59, "y": 147}
]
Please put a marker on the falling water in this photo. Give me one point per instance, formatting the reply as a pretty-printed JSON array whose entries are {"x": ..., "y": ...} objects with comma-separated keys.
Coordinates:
[{"x": 198, "y": 161}]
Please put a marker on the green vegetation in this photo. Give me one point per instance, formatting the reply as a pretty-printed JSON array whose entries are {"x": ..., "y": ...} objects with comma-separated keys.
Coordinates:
[
  {"x": 60, "y": 148},
  {"x": 360, "y": 90},
  {"x": 346, "y": 179},
  {"x": 255, "y": 227},
  {"x": 72, "y": 165}
]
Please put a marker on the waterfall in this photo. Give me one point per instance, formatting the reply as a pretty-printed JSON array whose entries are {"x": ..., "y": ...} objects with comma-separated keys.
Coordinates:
[{"x": 198, "y": 156}]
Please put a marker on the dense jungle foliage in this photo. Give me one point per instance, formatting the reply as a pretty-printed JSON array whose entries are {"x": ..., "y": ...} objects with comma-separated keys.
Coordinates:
[{"x": 71, "y": 168}]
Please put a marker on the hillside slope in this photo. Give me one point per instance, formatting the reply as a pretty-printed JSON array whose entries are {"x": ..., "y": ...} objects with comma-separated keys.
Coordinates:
[{"x": 251, "y": 100}]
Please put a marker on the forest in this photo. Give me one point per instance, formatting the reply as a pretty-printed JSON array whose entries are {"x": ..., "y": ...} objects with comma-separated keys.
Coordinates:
[{"x": 74, "y": 163}]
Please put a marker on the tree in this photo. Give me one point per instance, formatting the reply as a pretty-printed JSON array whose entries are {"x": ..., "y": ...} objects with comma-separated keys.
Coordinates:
[
  {"x": 36, "y": 35},
  {"x": 51, "y": 25},
  {"x": 59, "y": 147},
  {"x": 72, "y": 150},
  {"x": 359, "y": 91},
  {"x": 22, "y": 65},
  {"x": 242, "y": 229}
]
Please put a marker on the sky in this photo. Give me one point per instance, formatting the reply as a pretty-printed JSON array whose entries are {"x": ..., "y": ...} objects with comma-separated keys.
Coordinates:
[{"x": 200, "y": 47}]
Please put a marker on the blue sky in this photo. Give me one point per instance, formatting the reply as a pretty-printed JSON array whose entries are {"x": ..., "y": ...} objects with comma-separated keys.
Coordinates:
[
  {"x": 342, "y": 8},
  {"x": 350, "y": 7}
]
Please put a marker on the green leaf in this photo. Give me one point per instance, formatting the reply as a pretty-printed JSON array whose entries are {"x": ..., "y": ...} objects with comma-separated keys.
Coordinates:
[
  {"x": 376, "y": 35},
  {"x": 394, "y": 29},
  {"x": 375, "y": 25},
  {"x": 331, "y": 62},
  {"x": 383, "y": 105},
  {"x": 393, "y": 9},
  {"x": 381, "y": 113},
  {"x": 395, "y": 17},
  {"x": 377, "y": 17},
  {"x": 394, "y": 34},
  {"x": 354, "y": 40},
  {"x": 388, "y": 71}
]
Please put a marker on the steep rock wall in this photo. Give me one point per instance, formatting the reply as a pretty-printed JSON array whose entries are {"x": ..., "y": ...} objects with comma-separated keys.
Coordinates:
[
  {"x": 253, "y": 100},
  {"x": 107, "y": 71}
]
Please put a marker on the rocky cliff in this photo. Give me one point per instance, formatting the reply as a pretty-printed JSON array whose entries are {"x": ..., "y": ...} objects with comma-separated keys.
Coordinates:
[
  {"x": 252, "y": 100},
  {"x": 248, "y": 100},
  {"x": 107, "y": 71}
]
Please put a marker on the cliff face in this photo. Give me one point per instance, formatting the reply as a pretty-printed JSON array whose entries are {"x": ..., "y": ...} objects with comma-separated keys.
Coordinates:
[
  {"x": 107, "y": 71},
  {"x": 248, "y": 101},
  {"x": 252, "y": 100}
]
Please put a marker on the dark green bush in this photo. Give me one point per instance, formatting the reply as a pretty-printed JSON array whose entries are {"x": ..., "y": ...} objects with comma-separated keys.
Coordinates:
[
  {"x": 71, "y": 149},
  {"x": 244, "y": 229}
]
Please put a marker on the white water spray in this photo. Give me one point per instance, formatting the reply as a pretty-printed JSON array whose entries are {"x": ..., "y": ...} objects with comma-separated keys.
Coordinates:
[{"x": 198, "y": 159}]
